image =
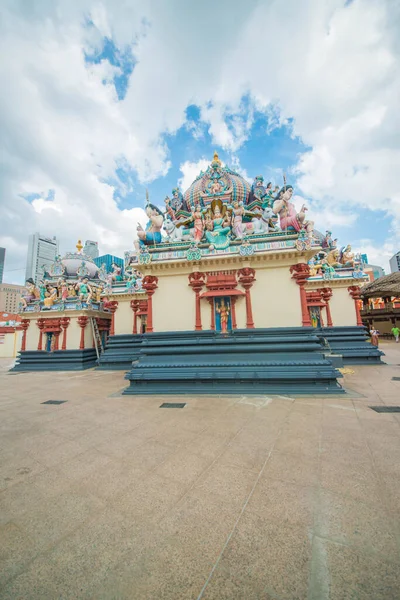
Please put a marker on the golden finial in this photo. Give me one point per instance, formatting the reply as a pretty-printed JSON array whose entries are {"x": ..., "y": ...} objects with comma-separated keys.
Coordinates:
[
  {"x": 79, "y": 246},
  {"x": 216, "y": 157}
]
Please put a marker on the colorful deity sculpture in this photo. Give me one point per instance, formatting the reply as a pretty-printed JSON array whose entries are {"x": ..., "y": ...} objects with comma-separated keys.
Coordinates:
[
  {"x": 260, "y": 192},
  {"x": 327, "y": 241},
  {"x": 71, "y": 291},
  {"x": 116, "y": 272},
  {"x": 347, "y": 257},
  {"x": 63, "y": 288},
  {"x": 177, "y": 202},
  {"x": 223, "y": 311},
  {"x": 152, "y": 234},
  {"x": 84, "y": 289},
  {"x": 238, "y": 212},
  {"x": 290, "y": 219},
  {"x": 198, "y": 222},
  {"x": 218, "y": 237},
  {"x": 332, "y": 259},
  {"x": 51, "y": 296},
  {"x": 32, "y": 294}
]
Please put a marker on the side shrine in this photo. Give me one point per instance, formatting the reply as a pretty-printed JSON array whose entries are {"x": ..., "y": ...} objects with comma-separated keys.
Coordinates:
[{"x": 229, "y": 290}]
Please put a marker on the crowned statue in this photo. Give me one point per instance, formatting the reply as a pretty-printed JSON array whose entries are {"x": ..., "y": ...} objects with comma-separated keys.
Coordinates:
[
  {"x": 290, "y": 219},
  {"x": 152, "y": 234},
  {"x": 219, "y": 235}
]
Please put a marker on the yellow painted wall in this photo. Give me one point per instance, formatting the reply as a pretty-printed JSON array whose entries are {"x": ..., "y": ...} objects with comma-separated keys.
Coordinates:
[
  {"x": 342, "y": 307},
  {"x": 32, "y": 336},
  {"x": 275, "y": 299},
  {"x": 174, "y": 305},
  {"x": 73, "y": 335},
  {"x": 123, "y": 318},
  {"x": 10, "y": 344}
]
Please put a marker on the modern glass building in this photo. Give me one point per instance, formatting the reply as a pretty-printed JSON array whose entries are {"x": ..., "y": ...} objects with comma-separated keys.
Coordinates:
[
  {"x": 42, "y": 252},
  {"x": 108, "y": 260}
]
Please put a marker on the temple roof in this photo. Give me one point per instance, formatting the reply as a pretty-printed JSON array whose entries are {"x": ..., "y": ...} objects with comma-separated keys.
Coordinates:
[
  {"x": 388, "y": 285},
  {"x": 217, "y": 182}
]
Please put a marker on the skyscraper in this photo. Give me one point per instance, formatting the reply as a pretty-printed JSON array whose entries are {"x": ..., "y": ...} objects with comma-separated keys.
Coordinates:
[
  {"x": 108, "y": 260},
  {"x": 41, "y": 252},
  {"x": 91, "y": 249},
  {"x": 395, "y": 263},
  {"x": 2, "y": 260}
]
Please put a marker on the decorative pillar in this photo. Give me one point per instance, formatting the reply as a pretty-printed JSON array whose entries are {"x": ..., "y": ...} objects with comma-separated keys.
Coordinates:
[
  {"x": 326, "y": 294},
  {"x": 149, "y": 284},
  {"x": 196, "y": 282},
  {"x": 56, "y": 339},
  {"x": 354, "y": 292},
  {"x": 300, "y": 273},
  {"x": 233, "y": 314},
  {"x": 112, "y": 306},
  {"x": 211, "y": 301},
  {"x": 64, "y": 322},
  {"x": 24, "y": 325},
  {"x": 82, "y": 322},
  {"x": 40, "y": 324},
  {"x": 135, "y": 308},
  {"x": 246, "y": 278}
]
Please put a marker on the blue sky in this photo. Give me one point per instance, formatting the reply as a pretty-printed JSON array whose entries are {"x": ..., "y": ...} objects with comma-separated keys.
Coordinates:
[{"x": 104, "y": 101}]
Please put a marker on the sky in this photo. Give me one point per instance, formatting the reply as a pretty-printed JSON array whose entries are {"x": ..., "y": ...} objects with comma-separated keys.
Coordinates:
[{"x": 103, "y": 100}]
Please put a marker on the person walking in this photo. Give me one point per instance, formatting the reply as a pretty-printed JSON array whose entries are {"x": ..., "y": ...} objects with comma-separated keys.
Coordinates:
[
  {"x": 374, "y": 337},
  {"x": 396, "y": 333}
]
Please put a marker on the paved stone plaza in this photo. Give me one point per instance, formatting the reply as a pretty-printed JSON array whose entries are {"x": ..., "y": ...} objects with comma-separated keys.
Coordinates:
[{"x": 272, "y": 498}]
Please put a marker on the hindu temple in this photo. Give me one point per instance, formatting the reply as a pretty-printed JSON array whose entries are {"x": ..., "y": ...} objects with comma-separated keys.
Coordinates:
[{"x": 230, "y": 288}]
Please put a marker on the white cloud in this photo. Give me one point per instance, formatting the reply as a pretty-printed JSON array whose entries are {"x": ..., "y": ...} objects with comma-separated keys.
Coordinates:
[
  {"x": 329, "y": 69},
  {"x": 190, "y": 170}
]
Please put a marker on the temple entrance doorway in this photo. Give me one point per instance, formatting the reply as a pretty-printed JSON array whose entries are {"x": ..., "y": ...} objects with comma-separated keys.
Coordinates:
[
  {"x": 223, "y": 313},
  {"x": 50, "y": 339}
]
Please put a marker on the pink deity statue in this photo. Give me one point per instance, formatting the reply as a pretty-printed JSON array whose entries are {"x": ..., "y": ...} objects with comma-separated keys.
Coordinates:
[
  {"x": 197, "y": 218},
  {"x": 290, "y": 219}
]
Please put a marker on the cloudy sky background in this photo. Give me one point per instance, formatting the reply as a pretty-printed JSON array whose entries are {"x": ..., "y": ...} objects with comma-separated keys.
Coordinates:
[{"x": 103, "y": 99}]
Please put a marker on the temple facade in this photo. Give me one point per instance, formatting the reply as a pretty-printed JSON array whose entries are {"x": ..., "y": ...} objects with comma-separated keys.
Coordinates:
[{"x": 224, "y": 256}]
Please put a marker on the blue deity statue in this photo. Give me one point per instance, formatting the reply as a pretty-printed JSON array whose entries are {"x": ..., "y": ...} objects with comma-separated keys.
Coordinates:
[
  {"x": 261, "y": 192},
  {"x": 217, "y": 226},
  {"x": 177, "y": 202}
]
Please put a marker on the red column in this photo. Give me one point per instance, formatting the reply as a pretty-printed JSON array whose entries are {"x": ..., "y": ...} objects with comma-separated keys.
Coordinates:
[
  {"x": 24, "y": 325},
  {"x": 211, "y": 301},
  {"x": 196, "y": 282},
  {"x": 40, "y": 324},
  {"x": 300, "y": 274},
  {"x": 82, "y": 322},
  {"x": 64, "y": 322},
  {"x": 233, "y": 305},
  {"x": 112, "y": 306},
  {"x": 354, "y": 292},
  {"x": 246, "y": 278},
  {"x": 326, "y": 294},
  {"x": 135, "y": 308},
  {"x": 56, "y": 339},
  {"x": 149, "y": 284}
]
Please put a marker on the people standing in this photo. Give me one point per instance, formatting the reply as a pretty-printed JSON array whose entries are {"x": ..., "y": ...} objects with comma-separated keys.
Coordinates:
[
  {"x": 374, "y": 337},
  {"x": 396, "y": 333}
]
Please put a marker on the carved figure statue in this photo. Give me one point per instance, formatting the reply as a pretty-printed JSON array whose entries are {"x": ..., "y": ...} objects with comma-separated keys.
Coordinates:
[
  {"x": 177, "y": 233},
  {"x": 289, "y": 218},
  {"x": 116, "y": 272},
  {"x": 177, "y": 200},
  {"x": 71, "y": 291},
  {"x": 85, "y": 290},
  {"x": 347, "y": 257},
  {"x": 63, "y": 288},
  {"x": 327, "y": 241},
  {"x": 32, "y": 294},
  {"x": 219, "y": 236},
  {"x": 152, "y": 235},
  {"x": 332, "y": 259},
  {"x": 238, "y": 212},
  {"x": 265, "y": 222},
  {"x": 223, "y": 312},
  {"x": 197, "y": 218},
  {"x": 102, "y": 272},
  {"x": 42, "y": 289},
  {"x": 260, "y": 192},
  {"x": 98, "y": 292},
  {"x": 51, "y": 296}
]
